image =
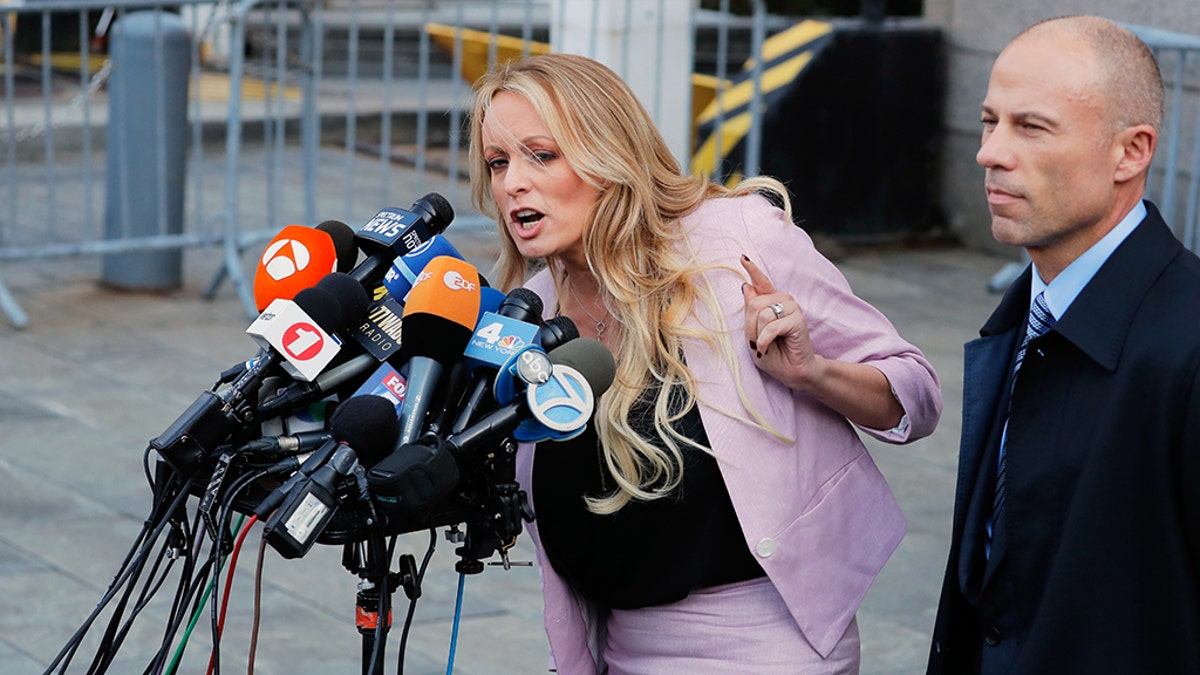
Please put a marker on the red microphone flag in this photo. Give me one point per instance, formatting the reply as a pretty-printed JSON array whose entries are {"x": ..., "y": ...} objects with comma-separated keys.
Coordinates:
[{"x": 297, "y": 258}]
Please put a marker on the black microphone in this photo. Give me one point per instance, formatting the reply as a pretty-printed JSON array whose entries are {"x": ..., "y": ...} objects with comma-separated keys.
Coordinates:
[
  {"x": 421, "y": 473},
  {"x": 394, "y": 232},
  {"x": 520, "y": 305},
  {"x": 351, "y": 297},
  {"x": 343, "y": 243},
  {"x": 556, "y": 332},
  {"x": 339, "y": 303},
  {"x": 360, "y": 418},
  {"x": 364, "y": 429},
  {"x": 298, "y": 394},
  {"x": 212, "y": 417},
  {"x": 441, "y": 312}
]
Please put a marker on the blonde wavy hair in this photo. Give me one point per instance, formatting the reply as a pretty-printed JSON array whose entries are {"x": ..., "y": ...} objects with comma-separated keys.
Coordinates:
[{"x": 632, "y": 241}]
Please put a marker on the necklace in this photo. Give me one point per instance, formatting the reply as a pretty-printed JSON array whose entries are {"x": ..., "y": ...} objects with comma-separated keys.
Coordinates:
[{"x": 599, "y": 323}]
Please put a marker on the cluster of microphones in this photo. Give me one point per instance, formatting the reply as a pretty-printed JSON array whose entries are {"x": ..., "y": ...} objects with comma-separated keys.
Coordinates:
[
  {"x": 387, "y": 394},
  {"x": 389, "y": 391}
]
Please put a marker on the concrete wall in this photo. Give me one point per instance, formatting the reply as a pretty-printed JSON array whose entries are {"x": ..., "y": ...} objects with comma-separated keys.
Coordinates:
[{"x": 975, "y": 32}]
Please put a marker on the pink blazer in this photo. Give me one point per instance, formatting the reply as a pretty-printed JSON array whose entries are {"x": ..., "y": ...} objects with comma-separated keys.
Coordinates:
[{"x": 815, "y": 511}]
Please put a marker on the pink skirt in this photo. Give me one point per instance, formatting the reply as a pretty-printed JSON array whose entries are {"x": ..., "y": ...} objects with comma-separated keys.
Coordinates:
[{"x": 737, "y": 628}]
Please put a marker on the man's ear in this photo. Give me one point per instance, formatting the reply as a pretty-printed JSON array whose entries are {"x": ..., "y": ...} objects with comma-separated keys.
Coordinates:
[{"x": 1136, "y": 146}]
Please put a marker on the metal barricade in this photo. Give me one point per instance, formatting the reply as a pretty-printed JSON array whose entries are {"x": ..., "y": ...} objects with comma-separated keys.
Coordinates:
[
  {"x": 298, "y": 112},
  {"x": 1174, "y": 182}
]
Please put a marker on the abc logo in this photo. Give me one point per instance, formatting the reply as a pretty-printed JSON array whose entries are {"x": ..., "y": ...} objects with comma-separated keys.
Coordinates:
[{"x": 284, "y": 258}]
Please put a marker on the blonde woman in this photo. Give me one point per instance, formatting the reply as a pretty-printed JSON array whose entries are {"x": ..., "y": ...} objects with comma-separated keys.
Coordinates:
[{"x": 721, "y": 514}]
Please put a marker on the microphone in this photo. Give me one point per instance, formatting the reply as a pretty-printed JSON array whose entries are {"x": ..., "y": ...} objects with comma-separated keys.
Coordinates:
[
  {"x": 295, "y": 259},
  {"x": 314, "y": 313},
  {"x": 298, "y": 326},
  {"x": 364, "y": 428},
  {"x": 420, "y": 473},
  {"x": 556, "y": 332},
  {"x": 301, "y": 393},
  {"x": 385, "y": 382},
  {"x": 489, "y": 298},
  {"x": 450, "y": 399},
  {"x": 582, "y": 370},
  {"x": 379, "y": 334},
  {"x": 401, "y": 276},
  {"x": 559, "y": 410},
  {"x": 343, "y": 243},
  {"x": 439, "y": 316},
  {"x": 305, "y": 338},
  {"x": 394, "y": 232},
  {"x": 495, "y": 340}
]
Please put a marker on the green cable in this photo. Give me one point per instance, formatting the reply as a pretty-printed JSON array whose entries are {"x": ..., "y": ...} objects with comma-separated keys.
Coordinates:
[{"x": 200, "y": 607}]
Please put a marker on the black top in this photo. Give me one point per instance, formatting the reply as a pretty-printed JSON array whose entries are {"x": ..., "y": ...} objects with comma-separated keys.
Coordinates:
[{"x": 648, "y": 553}]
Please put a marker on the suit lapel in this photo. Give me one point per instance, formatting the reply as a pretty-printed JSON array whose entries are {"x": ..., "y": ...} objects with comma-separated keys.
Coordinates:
[
  {"x": 986, "y": 365},
  {"x": 1097, "y": 322}
]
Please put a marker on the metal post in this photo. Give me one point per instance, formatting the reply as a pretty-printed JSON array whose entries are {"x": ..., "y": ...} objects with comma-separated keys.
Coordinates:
[
  {"x": 754, "y": 137},
  {"x": 146, "y": 142}
]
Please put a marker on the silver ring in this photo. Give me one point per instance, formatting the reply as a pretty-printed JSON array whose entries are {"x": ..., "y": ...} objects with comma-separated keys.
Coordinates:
[{"x": 778, "y": 309}]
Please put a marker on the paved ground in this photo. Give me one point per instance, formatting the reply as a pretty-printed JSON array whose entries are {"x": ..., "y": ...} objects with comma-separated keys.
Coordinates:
[{"x": 98, "y": 373}]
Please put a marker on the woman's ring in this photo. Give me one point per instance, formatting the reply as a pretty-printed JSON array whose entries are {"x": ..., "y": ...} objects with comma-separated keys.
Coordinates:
[{"x": 778, "y": 309}]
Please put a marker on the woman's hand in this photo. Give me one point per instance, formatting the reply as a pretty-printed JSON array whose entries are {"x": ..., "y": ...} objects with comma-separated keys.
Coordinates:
[
  {"x": 778, "y": 335},
  {"x": 778, "y": 332}
]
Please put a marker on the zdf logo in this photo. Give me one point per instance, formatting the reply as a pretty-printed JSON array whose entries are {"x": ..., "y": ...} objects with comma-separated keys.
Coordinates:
[
  {"x": 285, "y": 257},
  {"x": 455, "y": 281}
]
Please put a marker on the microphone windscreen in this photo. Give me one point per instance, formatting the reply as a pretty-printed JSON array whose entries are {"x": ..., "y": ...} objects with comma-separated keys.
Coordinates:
[
  {"x": 591, "y": 358},
  {"x": 489, "y": 299},
  {"x": 321, "y": 306},
  {"x": 343, "y": 243},
  {"x": 352, "y": 298},
  {"x": 556, "y": 332},
  {"x": 435, "y": 210},
  {"x": 368, "y": 424},
  {"x": 522, "y": 304},
  {"x": 441, "y": 311},
  {"x": 294, "y": 260},
  {"x": 403, "y": 274}
]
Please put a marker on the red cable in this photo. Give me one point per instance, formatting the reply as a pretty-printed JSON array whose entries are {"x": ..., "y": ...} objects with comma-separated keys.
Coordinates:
[{"x": 233, "y": 558}]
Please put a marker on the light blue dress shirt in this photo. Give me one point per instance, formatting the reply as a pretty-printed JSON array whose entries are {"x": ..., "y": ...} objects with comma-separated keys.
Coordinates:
[{"x": 1061, "y": 292}]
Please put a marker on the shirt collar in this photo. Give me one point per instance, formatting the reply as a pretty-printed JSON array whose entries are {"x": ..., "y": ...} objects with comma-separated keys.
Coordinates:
[{"x": 1061, "y": 292}]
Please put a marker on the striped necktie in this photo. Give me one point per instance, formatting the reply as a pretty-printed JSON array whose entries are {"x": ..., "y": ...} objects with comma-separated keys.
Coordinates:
[{"x": 1040, "y": 321}]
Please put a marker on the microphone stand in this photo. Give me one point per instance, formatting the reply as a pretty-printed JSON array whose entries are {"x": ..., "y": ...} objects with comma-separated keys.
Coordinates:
[{"x": 373, "y": 610}]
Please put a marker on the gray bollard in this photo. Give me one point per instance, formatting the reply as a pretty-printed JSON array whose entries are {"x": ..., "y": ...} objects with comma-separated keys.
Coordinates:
[{"x": 146, "y": 146}]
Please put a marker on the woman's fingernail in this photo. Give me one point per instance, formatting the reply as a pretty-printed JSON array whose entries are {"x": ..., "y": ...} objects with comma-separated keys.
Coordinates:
[
  {"x": 754, "y": 346},
  {"x": 745, "y": 258}
]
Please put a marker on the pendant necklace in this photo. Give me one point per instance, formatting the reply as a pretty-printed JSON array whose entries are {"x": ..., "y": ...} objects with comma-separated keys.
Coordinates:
[{"x": 599, "y": 324}]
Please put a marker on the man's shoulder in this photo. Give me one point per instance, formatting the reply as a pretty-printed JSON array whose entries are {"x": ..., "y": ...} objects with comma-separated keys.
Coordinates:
[
  {"x": 1168, "y": 316},
  {"x": 1177, "y": 292}
]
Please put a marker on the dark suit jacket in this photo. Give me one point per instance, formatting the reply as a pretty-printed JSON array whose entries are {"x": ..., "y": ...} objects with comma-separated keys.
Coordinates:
[{"x": 1100, "y": 567}]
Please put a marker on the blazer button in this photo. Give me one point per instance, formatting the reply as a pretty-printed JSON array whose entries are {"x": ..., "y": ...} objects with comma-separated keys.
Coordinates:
[
  {"x": 993, "y": 636},
  {"x": 766, "y": 546}
]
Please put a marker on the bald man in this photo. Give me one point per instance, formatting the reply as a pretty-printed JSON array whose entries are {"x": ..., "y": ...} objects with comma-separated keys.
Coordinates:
[{"x": 1076, "y": 539}]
